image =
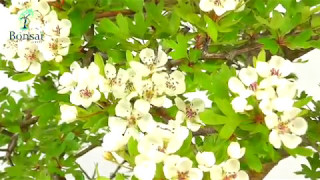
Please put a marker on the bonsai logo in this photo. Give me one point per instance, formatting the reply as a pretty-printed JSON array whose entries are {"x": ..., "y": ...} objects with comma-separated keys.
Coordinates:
[{"x": 24, "y": 17}]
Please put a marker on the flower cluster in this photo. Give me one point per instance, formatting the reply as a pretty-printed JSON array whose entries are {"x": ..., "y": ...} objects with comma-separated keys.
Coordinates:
[
  {"x": 36, "y": 35},
  {"x": 220, "y": 6},
  {"x": 136, "y": 91},
  {"x": 230, "y": 169},
  {"x": 270, "y": 84}
]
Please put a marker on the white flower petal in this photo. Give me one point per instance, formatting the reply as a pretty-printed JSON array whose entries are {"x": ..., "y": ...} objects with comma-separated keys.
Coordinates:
[
  {"x": 274, "y": 139},
  {"x": 271, "y": 120},
  {"x": 21, "y": 64},
  {"x": 231, "y": 166},
  {"x": 234, "y": 150},
  {"x": 298, "y": 126},
  {"x": 206, "y": 5},
  {"x": 142, "y": 106},
  {"x": 282, "y": 104},
  {"x": 290, "y": 141},
  {"x": 123, "y": 108},
  {"x": 248, "y": 76},
  {"x": 235, "y": 85},
  {"x": 139, "y": 68},
  {"x": 242, "y": 175},
  {"x": 198, "y": 104},
  {"x": 110, "y": 71},
  {"x": 117, "y": 124},
  {"x": 180, "y": 104},
  {"x": 216, "y": 173},
  {"x": 35, "y": 68},
  {"x": 239, "y": 104},
  {"x": 263, "y": 69}
]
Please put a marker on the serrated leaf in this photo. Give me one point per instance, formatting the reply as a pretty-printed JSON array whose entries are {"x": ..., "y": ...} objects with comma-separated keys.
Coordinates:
[
  {"x": 210, "y": 118},
  {"x": 99, "y": 62},
  {"x": 21, "y": 77},
  {"x": 212, "y": 29}
]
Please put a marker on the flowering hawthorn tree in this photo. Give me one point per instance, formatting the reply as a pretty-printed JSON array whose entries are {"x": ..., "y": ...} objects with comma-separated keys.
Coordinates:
[{"x": 102, "y": 71}]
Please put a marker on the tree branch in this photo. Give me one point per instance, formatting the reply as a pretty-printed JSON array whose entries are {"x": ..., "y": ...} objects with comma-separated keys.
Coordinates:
[
  {"x": 84, "y": 151},
  {"x": 210, "y": 56},
  {"x": 11, "y": 146},
  {"x": 113, "y": 175},
  {"x": 114, "y": 13},
  {"x": 204, "y": 131}
]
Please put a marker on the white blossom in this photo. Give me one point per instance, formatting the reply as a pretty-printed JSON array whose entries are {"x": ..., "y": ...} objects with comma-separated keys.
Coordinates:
[
  {"x": 68, "y": 113},
  {"x": 173, "y": 83},
  {"x": 228, "y": 170},
  {"x": 286, "y": 129},
  {"x": 205, "y": 160},
  {"x": 84, "y": 95},
  {"x": 145, "y": 168},
  {"x": 131, "y": 118},
  {"x": 176, "y": 167},
  {"x": 29, "y": 58},
  {"x": 219, "y": 6},
  {"x": 55, "y": 48},
  {"x": 150, "y": 62},
  {"x": 235, "y": 151},
  {"x": 190, "y": 112},
  {"x": 162, "y": 141}
]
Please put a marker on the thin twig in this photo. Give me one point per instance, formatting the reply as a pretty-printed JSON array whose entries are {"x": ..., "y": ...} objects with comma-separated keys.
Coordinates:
[
  {"x": 84, "y": 172},
  {"x": 114, "y": 13},
  {"x": 204, "y": 131},
  {"x": 11, "y": 146},
  {"x": 84, "y": 151},
  {"x": 113, "y": 175},
  {"x": 6, "y": 132},
  {"x": 230, "y": 55}
]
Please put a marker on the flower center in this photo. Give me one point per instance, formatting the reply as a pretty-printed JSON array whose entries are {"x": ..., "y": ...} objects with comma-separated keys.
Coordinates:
[
  {"x": 32, "y": 56},
  {"x": 171, "y": 84},
  {"x": 275, "y": 72},
  {"x": 86, "y": 93},
  {"x": 230, "y": 176},
  {"x": 190, "y": 113},
  {"x": 132, "y": 120},
  {"x": 217, "y": 2},
  {"x": 183, "y": 175},
  {"x": 53, "y": 46},
  {"x": 283, "y": 128},
  {"x": 57, "y": 30},
  {"x": 253, "y": 86}
]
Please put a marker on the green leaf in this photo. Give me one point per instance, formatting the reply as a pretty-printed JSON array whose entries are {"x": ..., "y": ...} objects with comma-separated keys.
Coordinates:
[
  {"x": 210, "y": 118},
  {"x": 302, "y": 102},
  {"x": 99, "y": 62},
  {"x": 276, "y": 21},
  {"x": 315, "y": 21},
  {"x": 270, "y": 44},
  {"x": 80, "y": 21},
  {"x": 300, "y": 151},
  {"x": 253, "y": 161},
  {"x": 135, "y": 5},
  {"x": 133, "y": 147},
  {"x": 212, "y": 28},
  {"x": 21, "y": 77},
  {"x": 46, "y": 112}
]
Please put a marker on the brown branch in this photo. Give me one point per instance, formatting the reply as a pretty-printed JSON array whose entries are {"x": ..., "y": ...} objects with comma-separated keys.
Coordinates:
[
  {"x": 229, "y": 56},
  {"x": 113, "y": 175},
  {"x": 6, "y": 132},
  {"x": 161, "y": 112},
  {"x": 114, "y": 13},
  {"x": 11, "y": 146},
  {"x": 86, "y": 150},
  {"x": 204, "y": 131}
]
